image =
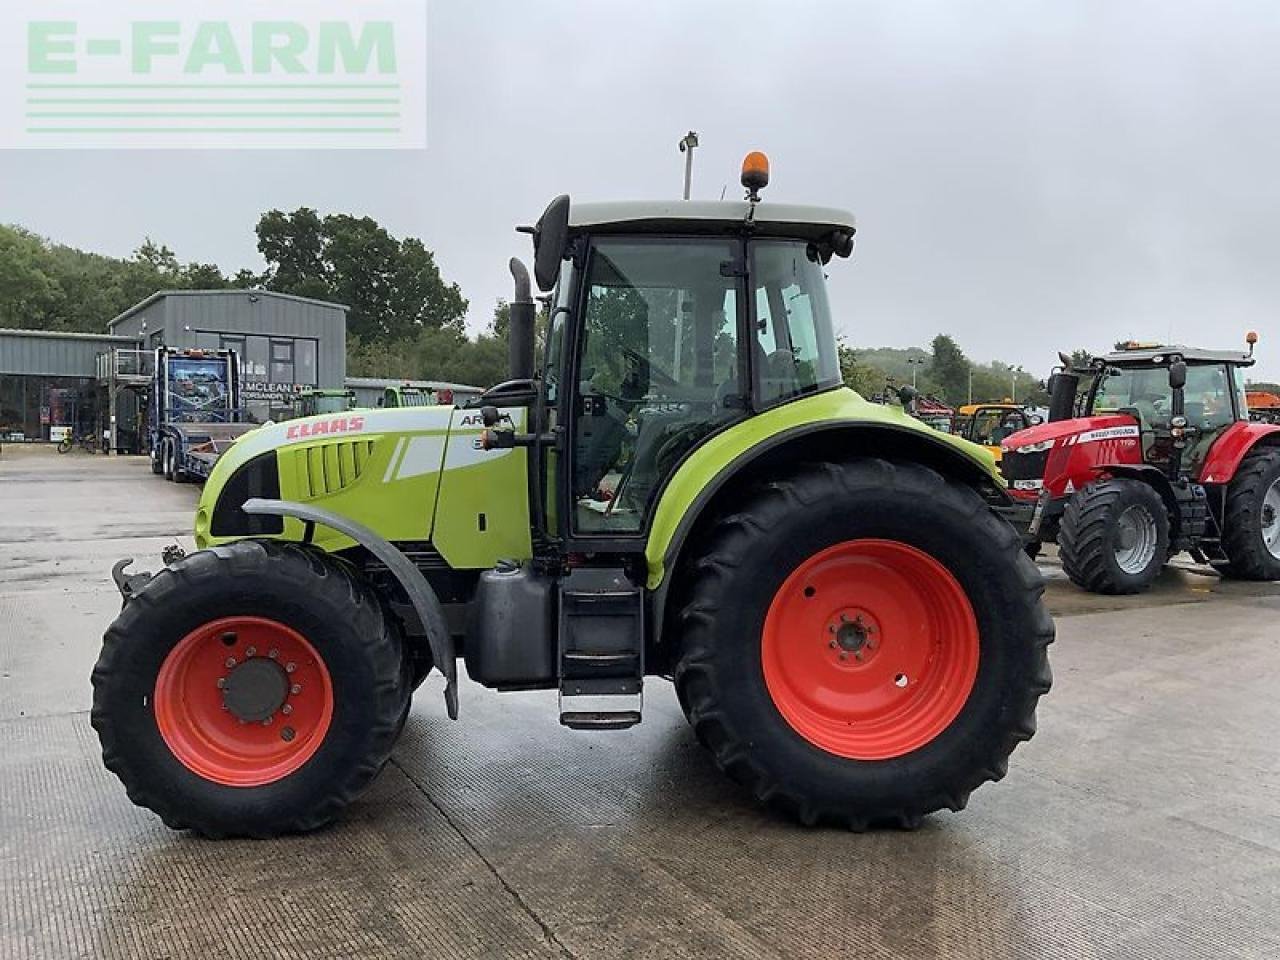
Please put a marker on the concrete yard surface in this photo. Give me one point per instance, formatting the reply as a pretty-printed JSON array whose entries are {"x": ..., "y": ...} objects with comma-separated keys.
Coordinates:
[{"x": 1143, "y": 820}]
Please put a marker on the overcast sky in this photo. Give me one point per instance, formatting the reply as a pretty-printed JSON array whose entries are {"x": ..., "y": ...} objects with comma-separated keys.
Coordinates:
[{"x": 1027, "y": 176}]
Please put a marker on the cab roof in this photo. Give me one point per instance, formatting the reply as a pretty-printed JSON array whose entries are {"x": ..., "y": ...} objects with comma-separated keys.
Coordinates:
[
  {"x": 1156, "y": 354},
  {"x": 712, "y": 218}
]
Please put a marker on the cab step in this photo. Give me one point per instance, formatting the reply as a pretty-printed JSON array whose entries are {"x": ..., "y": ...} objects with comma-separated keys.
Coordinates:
[
  {"x": 601, "y": 654},
  {"x": 591, "y": 720}
]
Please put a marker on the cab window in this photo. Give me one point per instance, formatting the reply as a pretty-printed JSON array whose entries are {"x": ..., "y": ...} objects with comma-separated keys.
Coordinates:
[
  {"x": 657, "y": 373},
  {"x": 795, "y": 349}
]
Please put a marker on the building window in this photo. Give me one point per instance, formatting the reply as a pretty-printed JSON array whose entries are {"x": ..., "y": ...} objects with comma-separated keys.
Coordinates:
[
  {"x": 304, "y": 362},
  {"x": 256, "y": 351},
  {"x": 282, "y": 361}
]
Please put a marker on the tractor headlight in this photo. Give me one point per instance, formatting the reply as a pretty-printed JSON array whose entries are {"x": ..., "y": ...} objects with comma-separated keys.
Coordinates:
[{"x": 1040, "y": 447}]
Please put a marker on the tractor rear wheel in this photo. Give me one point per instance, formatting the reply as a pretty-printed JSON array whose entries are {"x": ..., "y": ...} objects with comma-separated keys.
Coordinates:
[
  {"x": 862, "y": 643},
  {"x": 252, "y": 690},
  {"x": 1251, "y": 539},
  {"x": 1114, "y": 536}
]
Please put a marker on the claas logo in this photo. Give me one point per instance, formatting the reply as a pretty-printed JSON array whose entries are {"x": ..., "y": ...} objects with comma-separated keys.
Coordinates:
[{"x": 323, "y": 428}]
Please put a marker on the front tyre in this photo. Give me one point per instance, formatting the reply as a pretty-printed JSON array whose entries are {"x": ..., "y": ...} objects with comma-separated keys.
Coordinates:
[
  {"x": 253, "y": 689},
  {"x": 1114, "y": 536},
  {"x": 862, "y": 643},
  {"x": 1251, "y": 538}
]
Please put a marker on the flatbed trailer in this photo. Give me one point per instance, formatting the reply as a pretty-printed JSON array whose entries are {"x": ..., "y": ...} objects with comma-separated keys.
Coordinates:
[{"x": 197, "y": 447}]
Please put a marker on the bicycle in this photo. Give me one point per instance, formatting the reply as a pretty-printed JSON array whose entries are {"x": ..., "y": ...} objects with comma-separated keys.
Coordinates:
[{"x": 88, "y": 443}]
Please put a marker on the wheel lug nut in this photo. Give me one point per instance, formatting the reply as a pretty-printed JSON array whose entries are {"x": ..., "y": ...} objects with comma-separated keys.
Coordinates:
[
  {"x": 266, "y": 722},
  {"x": 222, "y": 682},
  {"x": 286, "y": 734},
  {"x": 251, "y": 652},
  {"x": 844, "y": 656},
  {"x": 231, "y": 662},
  {"x": 832, "y": 644},
  {"x": 296, "y": 688},
  {"x": 273, "y": 653},
  {"x": 286, "y": 709},
  {"x": 290, "y": 667}
]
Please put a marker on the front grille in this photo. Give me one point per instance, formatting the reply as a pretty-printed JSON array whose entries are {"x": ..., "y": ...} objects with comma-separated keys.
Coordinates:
[
  {"x": 257, "y": 478},
  {"x": 1023, "y": 466},
  {"x": 327, "y": 468}
]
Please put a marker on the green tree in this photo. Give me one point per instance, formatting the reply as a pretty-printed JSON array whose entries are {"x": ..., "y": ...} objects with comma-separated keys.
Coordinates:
[
  {"x": 867, "y": 379},
  {"x": 950, "y": 370},
  {"x": 393, "y": 287}
]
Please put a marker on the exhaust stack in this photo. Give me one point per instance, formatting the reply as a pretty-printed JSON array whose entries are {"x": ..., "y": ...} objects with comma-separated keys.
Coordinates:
[{"x": 520, "y": 333}]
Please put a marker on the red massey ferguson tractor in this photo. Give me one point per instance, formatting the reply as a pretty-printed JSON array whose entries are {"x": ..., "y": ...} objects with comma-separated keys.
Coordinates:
[{"x": 1156, "y": 457}]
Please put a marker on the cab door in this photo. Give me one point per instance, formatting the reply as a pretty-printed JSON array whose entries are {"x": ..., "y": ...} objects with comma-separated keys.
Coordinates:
[{"x": 653, "y": 371}]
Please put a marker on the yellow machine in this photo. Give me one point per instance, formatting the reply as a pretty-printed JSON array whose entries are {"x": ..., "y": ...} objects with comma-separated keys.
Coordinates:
[{"x": 989, "y": 423}]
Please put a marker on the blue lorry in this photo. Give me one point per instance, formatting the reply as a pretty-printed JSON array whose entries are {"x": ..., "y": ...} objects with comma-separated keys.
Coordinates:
[{"x": 194, "y": 411}]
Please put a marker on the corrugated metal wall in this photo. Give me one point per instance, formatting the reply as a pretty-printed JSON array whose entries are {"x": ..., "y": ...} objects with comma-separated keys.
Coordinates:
[
  {"x": 27, "y": 352},
  {"x": 184, "y": 315}
]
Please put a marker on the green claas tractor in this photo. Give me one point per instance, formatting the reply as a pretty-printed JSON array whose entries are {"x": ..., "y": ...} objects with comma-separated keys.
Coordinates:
[
  {"x": 313, "y": 401},
  {"x": 682, "y": 488}
]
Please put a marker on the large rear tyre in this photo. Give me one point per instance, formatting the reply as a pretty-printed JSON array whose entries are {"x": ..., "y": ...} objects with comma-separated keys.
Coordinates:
[
  {"x": 252, "y": 690},
  {"x": 862, "y": 643},
  {"x": 1114, "y": 536},
  {"x": 157, "y": 461},
  {"x": 169, "y": 455},
  {"x": 1251, "y": 539}
]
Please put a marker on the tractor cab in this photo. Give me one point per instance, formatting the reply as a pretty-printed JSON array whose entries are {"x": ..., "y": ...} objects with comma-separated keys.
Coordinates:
[
  {"x": 1173, "y": 419},
  {"x": 313, "y": 401},
  {"x": 988, "y": 424},
  {"x": 406, "y": 395}
]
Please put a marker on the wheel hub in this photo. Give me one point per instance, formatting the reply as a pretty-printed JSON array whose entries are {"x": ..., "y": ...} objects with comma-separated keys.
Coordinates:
[
  {"x": 852, "y": 636},
  {"x": 255, "y": 690}
]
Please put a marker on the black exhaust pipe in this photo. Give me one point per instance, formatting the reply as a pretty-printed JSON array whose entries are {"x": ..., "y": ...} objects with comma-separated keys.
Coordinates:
[
  {"x": 520, "y": 331},
  {"x": 1062, "y": 395}
]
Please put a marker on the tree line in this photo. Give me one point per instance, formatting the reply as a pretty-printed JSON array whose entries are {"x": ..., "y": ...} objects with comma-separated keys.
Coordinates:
[
  {"x": 405, "y": 319},
  {"x": 943, "y": 372}
]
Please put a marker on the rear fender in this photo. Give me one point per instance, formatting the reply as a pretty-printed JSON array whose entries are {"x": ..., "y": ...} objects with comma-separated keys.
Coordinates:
[
  {"x": 1236, "y": 443},
  {"x": 828, "y": 440}
]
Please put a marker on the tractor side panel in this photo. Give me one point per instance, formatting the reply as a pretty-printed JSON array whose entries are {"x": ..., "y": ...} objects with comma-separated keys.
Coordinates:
[
  {"x": 709, "y": 462},
  {"x": 1232, "y": 447},
  {"x": 482, "y": 515},
  {"x": 380, "y": 468},
  {"x": 1080, "y": 458}
]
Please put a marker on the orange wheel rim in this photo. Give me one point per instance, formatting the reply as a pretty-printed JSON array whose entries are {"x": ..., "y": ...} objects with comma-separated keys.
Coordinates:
[
  {"x": 243, "y": 701},
  {"x": 870, "y": 649}
]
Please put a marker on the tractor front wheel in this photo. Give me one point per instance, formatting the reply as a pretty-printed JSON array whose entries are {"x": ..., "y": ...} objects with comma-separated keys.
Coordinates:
[
  {"x": 253, "y": 689},
  {"x": 1114, "y": 536},
  {"x": 1251, "y": 539},
  {"x": 862, "y": 643}
]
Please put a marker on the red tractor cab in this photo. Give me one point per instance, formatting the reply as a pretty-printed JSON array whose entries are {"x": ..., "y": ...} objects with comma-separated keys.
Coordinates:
[{"x": 1161, "y": 458}]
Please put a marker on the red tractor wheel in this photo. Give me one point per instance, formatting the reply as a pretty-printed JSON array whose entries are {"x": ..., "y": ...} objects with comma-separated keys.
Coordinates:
[
  {"x": 862, "y": 643},
  {"x": 250, "y": 690},
  {"x": 870, "y": 649},
  {"x": 243, "y": 701}
]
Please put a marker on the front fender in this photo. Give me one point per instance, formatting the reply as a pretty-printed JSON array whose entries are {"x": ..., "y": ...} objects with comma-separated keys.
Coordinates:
[{"x": 425, "y": 602}]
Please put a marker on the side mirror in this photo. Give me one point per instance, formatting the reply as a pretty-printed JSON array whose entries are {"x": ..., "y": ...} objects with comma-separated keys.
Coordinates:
[
  {"x": 550, "y": 234},
  {"x": 1177, "y": 374}
]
